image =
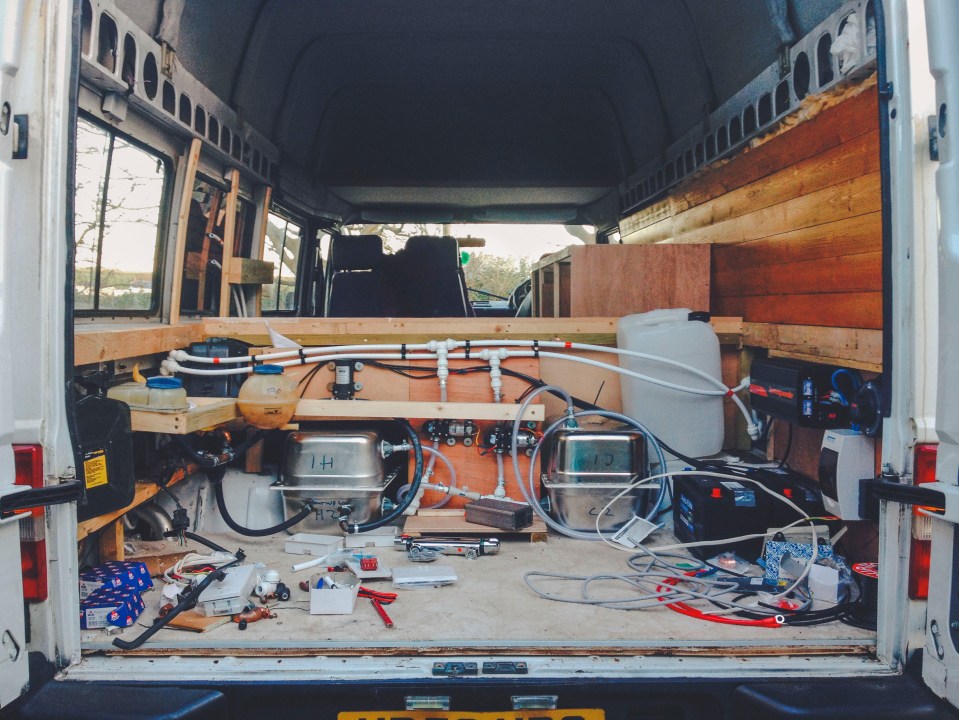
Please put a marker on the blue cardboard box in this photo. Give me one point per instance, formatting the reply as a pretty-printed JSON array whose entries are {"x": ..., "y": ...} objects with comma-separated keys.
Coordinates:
[
  {"x": 115, "y": 574},
  {"x": 110, "y": 606}
]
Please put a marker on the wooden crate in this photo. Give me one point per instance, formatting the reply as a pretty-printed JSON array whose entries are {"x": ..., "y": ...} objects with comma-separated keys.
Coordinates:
[{"x": 616, "y": 280}]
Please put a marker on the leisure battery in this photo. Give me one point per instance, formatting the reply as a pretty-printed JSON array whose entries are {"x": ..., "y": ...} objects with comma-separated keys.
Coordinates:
[
  {"x": 707, "y": 508},
  {"x": 794, "y": 486}
]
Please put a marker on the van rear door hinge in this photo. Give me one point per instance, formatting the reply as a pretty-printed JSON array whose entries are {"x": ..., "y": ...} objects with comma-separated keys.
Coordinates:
[
  {"x": 886, "y": 91},
  {"x": 937, "y": 500}
]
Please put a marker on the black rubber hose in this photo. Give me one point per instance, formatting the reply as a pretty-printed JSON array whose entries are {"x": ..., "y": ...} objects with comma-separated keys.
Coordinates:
[
  {"x": 197, "y": 538},
  {"x": 188, "y": 600},
  {"x": 398, "y": 511},
  {"x": 252, "y": 532}
]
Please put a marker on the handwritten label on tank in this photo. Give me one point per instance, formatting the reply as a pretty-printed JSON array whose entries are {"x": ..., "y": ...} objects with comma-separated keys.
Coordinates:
[{"x": 321, "y": 462}]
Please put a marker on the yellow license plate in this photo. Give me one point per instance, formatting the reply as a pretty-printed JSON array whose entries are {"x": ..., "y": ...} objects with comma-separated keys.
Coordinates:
[{"x": 575, "y": 714}]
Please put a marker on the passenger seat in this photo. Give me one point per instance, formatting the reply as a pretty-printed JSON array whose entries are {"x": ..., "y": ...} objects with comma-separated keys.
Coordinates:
[
  {"x": 357, "y": 285},
  {"x": 431, "y": 281}
]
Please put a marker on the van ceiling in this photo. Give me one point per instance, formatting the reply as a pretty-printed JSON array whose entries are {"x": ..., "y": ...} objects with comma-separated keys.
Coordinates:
[{"x": 530, "y": 106}]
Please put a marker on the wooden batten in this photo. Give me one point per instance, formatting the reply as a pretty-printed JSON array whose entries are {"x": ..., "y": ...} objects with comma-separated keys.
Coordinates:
[
  {"x": 229, "y": 241},
  {"x": 245, "y": 271},
  {"x": 102, "y": 342},
  {"x": 183, "y": 217}
]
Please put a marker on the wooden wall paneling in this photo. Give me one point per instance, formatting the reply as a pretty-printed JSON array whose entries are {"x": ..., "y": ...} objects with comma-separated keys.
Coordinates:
[
  {"x": 854, "y": 197},
  {"x": 849, "y": 310},
  {"x": 834, "y": 126},
  {"x": 616, "y": 280},
  {"x": 854, "y": 347},
  {"x": 842, "y": 163},
  {"x": 851, "y": 236},
  {"x": 841, "y": 274}
]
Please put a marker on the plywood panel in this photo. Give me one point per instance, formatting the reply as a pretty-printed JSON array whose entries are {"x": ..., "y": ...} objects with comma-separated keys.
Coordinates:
[
  {"x": 843, "y": 163},
  {"x": 624, "y": 279},
  {"x": 852, "y": 310}
]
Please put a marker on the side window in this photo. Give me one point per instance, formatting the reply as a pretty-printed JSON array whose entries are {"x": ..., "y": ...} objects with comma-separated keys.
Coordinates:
[
  {"x": 203, "y": 262},
  {"x": 120, "y": 189},
  {"x": 282, "y": 248}
]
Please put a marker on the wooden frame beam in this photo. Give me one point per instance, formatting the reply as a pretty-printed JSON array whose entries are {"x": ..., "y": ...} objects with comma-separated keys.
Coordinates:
[
  {"x": 183, "y": 221},
  {"x": 229, "y": 237}
]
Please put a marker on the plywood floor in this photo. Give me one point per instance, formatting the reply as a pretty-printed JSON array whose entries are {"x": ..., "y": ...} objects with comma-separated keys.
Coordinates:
[{"x": 490, "y": 608}]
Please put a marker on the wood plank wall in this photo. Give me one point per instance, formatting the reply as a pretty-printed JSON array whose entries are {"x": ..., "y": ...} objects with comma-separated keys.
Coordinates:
[{"x": 794, "y": 220}]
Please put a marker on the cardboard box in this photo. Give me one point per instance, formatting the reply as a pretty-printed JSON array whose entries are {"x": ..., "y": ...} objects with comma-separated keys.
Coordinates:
[
  {"x": 336, "y": 595},
  {"x": 119, "y": 606},
  {"x": 116, "y": 574}
]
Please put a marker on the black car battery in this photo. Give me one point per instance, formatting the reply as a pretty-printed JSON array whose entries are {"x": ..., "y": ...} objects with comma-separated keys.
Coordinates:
[
  {"x": 707, "y": 508},
  {"x": 794, "y": 486}
]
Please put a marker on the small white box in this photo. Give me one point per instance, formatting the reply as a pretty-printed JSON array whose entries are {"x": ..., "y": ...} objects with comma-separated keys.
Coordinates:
[
  {"x": 310, "y": 544},
  {"x": 336, "y": 598},
  {"x": 378, "y": 537},
  {"x": 423, "y": 575}
]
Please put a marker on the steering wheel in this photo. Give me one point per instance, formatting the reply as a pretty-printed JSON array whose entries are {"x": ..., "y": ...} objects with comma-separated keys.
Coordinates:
[{"x": 519, "y": 294}]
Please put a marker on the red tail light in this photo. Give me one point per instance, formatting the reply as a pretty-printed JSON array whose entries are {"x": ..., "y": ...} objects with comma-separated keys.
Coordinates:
[
  {"x": 33, "y": 546},
  {"x": 920, "y": 547}
]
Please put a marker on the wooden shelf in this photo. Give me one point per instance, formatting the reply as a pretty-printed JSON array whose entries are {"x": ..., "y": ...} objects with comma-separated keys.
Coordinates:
[
  {"x": 207, "y": 412},
  {"x": 327, "y": 409}
]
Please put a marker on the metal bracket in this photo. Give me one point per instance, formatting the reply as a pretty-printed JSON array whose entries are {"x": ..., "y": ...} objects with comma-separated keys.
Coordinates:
[
  {"x": 939, "y": 500},
  {"x": 455, "y": 669},
  {"x": 933, "y": 121},
  {"x": 21, "y": 136},
  {"x": 505, "y": 668}
]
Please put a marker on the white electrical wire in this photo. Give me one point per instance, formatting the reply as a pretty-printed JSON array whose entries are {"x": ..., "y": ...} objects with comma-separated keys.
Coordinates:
[
  {"x": 191, "y": 560},
  {"x": 814, "y": 555}
]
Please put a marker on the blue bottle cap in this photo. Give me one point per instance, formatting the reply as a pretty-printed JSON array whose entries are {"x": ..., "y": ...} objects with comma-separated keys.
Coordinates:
[
  {"x": 268, "y": 369},
  {"x": 164, "y": 383}
]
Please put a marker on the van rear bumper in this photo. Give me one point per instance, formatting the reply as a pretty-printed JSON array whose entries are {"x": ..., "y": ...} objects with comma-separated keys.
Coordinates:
[{"x": 899, "y": 697}]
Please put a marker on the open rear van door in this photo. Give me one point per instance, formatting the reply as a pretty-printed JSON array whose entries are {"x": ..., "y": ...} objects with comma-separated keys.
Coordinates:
[
  {"x": 13, "y": 129},
  {"x": 941, "y": 660}
]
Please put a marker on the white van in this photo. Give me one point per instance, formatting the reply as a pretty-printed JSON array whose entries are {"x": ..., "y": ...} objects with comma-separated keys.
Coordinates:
[{"x": 196, "y": 193}]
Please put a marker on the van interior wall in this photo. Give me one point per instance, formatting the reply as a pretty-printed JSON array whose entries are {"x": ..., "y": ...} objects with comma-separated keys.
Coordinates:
[{"x": 796, "y": 234}]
